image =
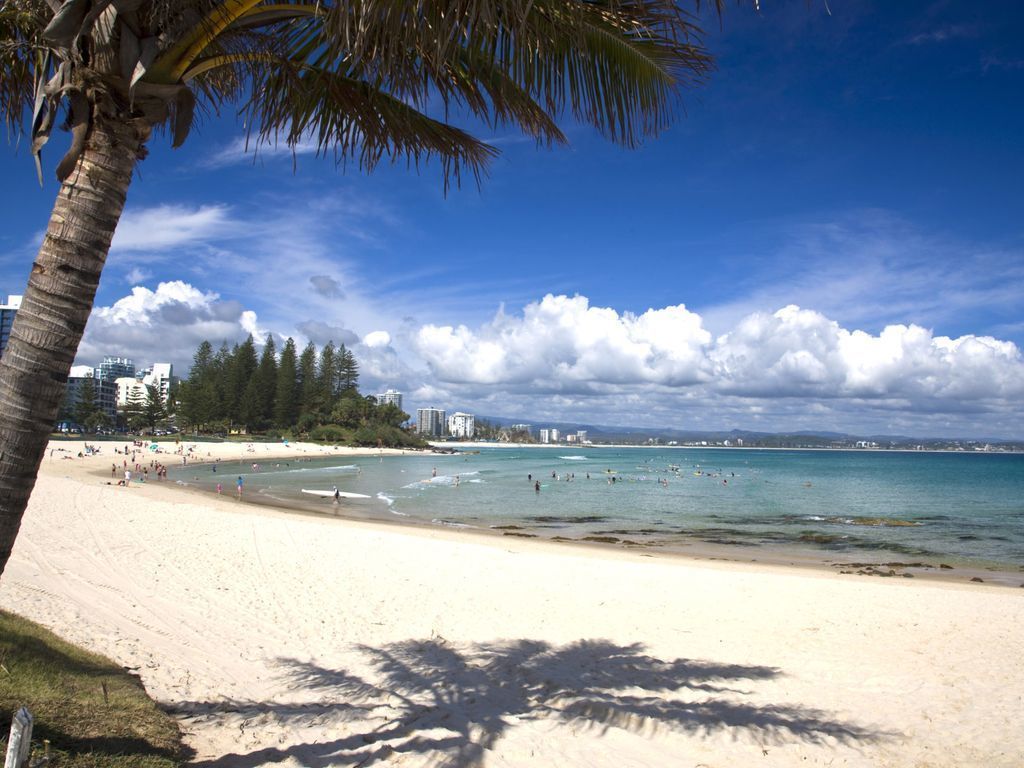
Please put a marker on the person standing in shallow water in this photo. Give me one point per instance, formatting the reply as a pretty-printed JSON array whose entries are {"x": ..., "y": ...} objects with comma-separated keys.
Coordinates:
[
  {"x": 240, "y": 483},
  {"x": 536, "y": 487}
]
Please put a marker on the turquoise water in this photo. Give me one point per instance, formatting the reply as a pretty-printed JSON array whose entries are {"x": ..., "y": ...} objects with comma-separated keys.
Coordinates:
[{"x": 848, "y": 505}]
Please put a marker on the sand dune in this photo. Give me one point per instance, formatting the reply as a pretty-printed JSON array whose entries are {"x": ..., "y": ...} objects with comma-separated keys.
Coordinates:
[{"x": 290, "y": 639}]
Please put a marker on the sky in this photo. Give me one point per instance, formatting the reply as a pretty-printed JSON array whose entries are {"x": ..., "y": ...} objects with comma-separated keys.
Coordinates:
[{"x": 830, "y": 237}]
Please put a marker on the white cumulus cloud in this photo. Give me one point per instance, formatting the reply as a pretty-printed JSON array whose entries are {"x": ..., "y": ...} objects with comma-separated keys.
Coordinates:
[
  {"x": 377, "y": 339},
  {"x": 795, "y": 361},
  {"x": 563, "y": 339},
  {"x": 164, "y": 325}
]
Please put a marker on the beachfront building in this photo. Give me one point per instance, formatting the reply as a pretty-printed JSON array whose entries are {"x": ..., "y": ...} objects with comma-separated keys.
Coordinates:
[
  {"x": 554, "y": 434},
  {"x": 522, "y": 430},
  {"x": 104, "y": 393},
  {"x": 549, "y": 435},
  {"x": 462, "y": 425},
  {"x": 129, "y": 389},
  {"x": 159, "y": 376},
  {"x": 430, "y": 422},
  {"x": 7, "y": 313},
  {"x": 392, "y": 397},
  {"x": 114, "y": 368},
  {"x": 581, "y": 436}
]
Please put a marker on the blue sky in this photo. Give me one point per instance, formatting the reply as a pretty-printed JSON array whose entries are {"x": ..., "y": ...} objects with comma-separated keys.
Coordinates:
[{"x": 831, "y": 237}]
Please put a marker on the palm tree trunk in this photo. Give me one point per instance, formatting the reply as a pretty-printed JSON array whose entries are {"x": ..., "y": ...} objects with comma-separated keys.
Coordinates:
[{"x": 55, "y": 308}]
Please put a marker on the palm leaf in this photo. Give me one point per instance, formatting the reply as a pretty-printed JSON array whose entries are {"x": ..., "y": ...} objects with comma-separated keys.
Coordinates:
[
  {"x": 348, "y": 117},
  {"x": 20, "y": 52}
]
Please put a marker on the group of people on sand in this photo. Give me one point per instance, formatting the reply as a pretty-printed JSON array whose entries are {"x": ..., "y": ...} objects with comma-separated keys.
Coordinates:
[{"x": 141, "y": 470}]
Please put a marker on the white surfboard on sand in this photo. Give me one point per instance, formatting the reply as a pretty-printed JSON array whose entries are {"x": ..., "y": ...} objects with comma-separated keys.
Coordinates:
[{"x": 342, "y": 494}]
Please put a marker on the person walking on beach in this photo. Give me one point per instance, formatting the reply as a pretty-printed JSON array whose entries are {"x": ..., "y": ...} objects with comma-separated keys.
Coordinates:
[
  {"x": 127, "y": 477},
  {"x": 337, "y": 496},
  {"x": 240, "y": 482}
]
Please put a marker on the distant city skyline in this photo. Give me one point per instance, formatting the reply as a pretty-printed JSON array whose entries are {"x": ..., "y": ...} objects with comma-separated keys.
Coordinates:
[{"x": 829, "y": 239}]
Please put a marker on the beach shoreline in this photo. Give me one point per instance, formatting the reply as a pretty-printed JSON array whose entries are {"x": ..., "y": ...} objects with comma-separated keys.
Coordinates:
[
  {"x": 881, "y": 564},
  {"x": 280, "y": 638}
]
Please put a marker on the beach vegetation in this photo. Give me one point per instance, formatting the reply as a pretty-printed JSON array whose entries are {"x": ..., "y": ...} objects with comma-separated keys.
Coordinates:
[
  {"x": 88, "y": 711},
  {"x": 132, "y": 414},
  {"x": 319, "y": 396},
  {"x": 365, "y": 81}
]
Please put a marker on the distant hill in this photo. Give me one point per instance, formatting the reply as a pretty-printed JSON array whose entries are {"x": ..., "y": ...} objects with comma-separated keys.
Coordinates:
[{"x": 603, "y": 433}]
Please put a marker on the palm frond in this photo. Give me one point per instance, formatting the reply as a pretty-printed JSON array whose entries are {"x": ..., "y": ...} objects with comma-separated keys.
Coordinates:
[
  {"x": 20, "y": 50},
  {"x": 351, "y": 119},
  {"x": 616, "y": 64}
]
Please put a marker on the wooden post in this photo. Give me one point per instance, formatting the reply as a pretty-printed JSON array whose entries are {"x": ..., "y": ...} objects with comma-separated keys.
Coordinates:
[{"x": 21, "y": 739}]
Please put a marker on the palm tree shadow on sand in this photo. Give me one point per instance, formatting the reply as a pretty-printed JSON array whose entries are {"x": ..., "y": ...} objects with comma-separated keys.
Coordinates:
[{"x": 452, "y": 704}]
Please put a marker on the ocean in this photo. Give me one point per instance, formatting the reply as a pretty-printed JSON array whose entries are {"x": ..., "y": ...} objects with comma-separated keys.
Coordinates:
[{"x": 846, "y": 508}]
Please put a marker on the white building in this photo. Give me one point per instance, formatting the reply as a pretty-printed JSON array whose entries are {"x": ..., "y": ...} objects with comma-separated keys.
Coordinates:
[
  {"x": 159, "y": 376},
  {"x": 544, "y": 435},
  {"x": 391, "y": 396},
  {"x": 430, "y": 422},
  {"x": 554, "y": 434},
  {"x": 581, "y": 436},
  {"x": 129, "y": 389},
  {"x": 462, "y": 425}
]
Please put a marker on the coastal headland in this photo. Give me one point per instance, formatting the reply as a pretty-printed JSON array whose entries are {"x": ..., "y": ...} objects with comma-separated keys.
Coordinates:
[{"x": 279, "y": 638}]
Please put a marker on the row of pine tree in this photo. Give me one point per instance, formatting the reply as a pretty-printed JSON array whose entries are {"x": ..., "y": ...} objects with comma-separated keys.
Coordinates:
[{"x": 312, "y": 393}]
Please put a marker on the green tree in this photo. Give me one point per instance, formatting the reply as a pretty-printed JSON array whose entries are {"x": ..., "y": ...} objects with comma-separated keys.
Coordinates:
[
  {"x": 326, "y": 383},
  {"x": 266, "y": 383},
  {"x": 250, "y": 406},
  {"x": 348, "y": 410},
  {"x": 390, "y": 415},
  {"x": 354, "y": 75},
  {"x": 239, "y": 374},
  {"x": 84, "y": 409},
  {"x": 197, "y": 396},
  {"x": 286, "y": 398},
  {"x": 97, "y": 420},
  {"x": 348, "y": 370},
  {"x": 133, "y": 412},
  {"x": 307, "y": 388},
  {"x": 153, "y": 410}
]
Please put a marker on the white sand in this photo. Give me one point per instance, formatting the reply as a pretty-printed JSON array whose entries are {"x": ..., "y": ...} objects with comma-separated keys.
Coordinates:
[{"x": 283, "y": 638}]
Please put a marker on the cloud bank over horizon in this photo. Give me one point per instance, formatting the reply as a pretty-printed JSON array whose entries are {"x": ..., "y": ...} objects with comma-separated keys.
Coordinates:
[{"x": 563, "y": 358}]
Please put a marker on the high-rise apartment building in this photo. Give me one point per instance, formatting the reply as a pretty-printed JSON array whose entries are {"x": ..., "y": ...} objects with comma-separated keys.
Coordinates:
[
  {"x": 462, "y": 425},
  {"x": 159, "y": 376},
  {"x": 104, "y": 393},
  {"x": 391, "y": 396},
  {"x": 7, "y": 313},
  {"x": 430, "y": 422},
  {"x": 129, "y": 389},
  {"x": 113, "y": 368}
]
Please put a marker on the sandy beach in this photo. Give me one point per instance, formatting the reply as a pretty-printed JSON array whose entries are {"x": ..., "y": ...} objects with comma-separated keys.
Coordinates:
[{"x": 291, "y": 639}]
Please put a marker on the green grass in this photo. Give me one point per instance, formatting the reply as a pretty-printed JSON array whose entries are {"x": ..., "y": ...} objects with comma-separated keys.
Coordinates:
[{"x": 91, "y": 711}]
